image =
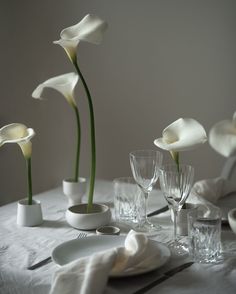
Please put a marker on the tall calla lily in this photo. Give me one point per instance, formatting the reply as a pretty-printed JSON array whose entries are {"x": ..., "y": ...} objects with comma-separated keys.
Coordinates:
[
  {"x": 65, "y": 84},
  {"x": 90, "y": 29},
  {"x": 183, "y": 134},
  {"x": 20, "y": 134},
  {"x": 222, "y": 137}
]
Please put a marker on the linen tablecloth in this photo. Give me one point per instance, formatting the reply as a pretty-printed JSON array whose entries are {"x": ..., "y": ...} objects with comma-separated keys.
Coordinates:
[{"x": 21, "y": 247}]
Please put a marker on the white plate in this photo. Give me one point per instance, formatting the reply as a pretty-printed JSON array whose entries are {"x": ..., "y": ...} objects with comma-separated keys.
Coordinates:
[
  {"x": 74, "y": 249},
  {"x": 226, "y": 203}
]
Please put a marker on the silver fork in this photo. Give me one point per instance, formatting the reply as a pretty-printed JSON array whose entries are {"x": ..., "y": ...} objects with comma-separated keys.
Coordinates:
[{"x": 49, "y": 259}]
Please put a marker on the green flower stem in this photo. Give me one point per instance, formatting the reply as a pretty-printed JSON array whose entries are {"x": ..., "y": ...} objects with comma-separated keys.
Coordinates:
[
  {"x": 30, "y": 194},
  {"x": 76, "y": 174},
  {"x": 175, "y": 156},
  {"x": 93, "y": 143}
]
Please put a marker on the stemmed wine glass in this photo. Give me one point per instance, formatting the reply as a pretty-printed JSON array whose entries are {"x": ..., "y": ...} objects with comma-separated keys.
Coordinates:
[
  {"x": 176, "y": 183},
  {"x": 145, "y": 166}
]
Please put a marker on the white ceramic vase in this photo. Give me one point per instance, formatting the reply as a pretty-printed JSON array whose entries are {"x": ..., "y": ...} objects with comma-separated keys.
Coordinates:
[
  {"x": 78, "y": 217},
  {"x": 29, "y": 215},
  {"x": 74, "y": 191},
  {"x": 182, "y": 219}
]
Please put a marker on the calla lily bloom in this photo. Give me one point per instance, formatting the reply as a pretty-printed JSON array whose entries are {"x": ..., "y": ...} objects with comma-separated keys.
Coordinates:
[
  {"x": 222, "y": 137},
  {"x": 65, "y": 84},
  {"x": 183, "y": 134},
  {"x": 20, "y": 134},
  {"x": 90, "y": 29}
]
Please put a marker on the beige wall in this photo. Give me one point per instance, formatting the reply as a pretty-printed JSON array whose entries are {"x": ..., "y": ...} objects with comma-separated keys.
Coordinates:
[{"x": 160, "y": 60}]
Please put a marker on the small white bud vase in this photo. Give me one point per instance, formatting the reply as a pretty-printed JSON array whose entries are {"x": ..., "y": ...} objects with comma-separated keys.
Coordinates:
[
  {"x": 74, "y": 191},
  {"x": 29, "y": 215}
]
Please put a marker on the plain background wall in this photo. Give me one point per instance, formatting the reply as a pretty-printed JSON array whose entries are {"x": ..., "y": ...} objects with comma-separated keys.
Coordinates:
[{"x": 160, "y": 60}]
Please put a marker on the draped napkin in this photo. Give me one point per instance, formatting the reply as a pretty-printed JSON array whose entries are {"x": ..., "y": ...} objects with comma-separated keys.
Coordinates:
[
  {"x": 89, "y": 275},
  {"x": 212, "y": 189}
]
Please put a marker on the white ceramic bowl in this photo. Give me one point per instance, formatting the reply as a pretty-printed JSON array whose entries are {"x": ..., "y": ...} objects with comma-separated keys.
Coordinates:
[
  {"x": 232, "y": 219},
  {"x": 78, "y": 217}
]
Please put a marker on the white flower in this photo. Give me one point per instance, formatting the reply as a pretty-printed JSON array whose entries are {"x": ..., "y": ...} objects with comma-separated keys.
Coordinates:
[
  {"x": 20, "y": 134},
  {"x": 183, "y": 134},
  {"x": 90, "y": 29},
  {"x": 222, "y": 137},
  {"x": 65, "y": 84}
]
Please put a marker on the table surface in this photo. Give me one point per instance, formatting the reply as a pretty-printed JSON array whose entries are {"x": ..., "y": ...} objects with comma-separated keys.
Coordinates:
[{"x": 21, "y": 247}]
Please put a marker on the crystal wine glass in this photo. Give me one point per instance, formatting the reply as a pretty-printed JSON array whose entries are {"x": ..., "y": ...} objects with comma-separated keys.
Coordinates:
[
  {"x": 145, "y": 166},
  {"x": 176, "y": 183}
]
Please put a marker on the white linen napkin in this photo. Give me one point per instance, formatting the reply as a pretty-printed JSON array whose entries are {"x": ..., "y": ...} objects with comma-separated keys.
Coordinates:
[
  {"x": 89, "y": 275},
  {"x": 213, "y": 189}
]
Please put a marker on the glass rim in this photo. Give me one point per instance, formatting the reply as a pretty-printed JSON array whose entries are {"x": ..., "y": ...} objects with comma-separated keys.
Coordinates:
[
  {"x": 163, "y": 166},
  {"x": 138, "y": 153}
]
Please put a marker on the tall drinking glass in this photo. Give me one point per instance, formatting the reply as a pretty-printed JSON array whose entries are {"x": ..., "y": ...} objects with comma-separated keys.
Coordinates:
[
  {"x": 176, "y": 184},
  {"x": 145, "y": 166}
]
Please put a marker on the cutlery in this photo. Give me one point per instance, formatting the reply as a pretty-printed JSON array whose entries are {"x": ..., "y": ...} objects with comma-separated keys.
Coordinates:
[
  {"x": 164, "y": 277},
  {"x": 158, "y": 211},
  {"x": 49, "y": 259}
]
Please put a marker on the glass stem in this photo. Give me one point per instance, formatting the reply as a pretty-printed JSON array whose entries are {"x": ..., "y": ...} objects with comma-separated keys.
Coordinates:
[
  {"x": 146, "y": 194},
  {"x": 175, "y": 224}
]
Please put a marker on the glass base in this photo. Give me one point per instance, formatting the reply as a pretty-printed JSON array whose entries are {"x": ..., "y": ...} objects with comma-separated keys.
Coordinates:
[
  {"x": 147, "y": 227},
  {"x": 178, "y": 247}
]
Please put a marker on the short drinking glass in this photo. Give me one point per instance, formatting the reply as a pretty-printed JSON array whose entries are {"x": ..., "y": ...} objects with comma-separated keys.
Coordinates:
[
  {"x": 204, "y": 232},
  {"x": 127, "y": 200}
]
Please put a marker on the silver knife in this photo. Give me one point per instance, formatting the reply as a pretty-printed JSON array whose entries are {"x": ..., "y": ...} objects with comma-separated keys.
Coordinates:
[
  {"x": 158, "y": 211},
  {"x": 164, "y": 277},
  {"x": 39, "y": 264}
]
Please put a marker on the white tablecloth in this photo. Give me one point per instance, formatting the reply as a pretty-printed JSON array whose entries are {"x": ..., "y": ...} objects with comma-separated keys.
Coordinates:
[{"x": 21, "y": 247}]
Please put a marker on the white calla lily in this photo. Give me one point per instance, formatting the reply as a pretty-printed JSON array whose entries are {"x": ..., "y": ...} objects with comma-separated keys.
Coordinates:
[
  {"x": 90, "y": 29},
  {"x": 65, "y": 84},
  {"x": 20, "y": 134},
  {"x": 183, "y": 134},
  {"x": 222, "y": 137}
]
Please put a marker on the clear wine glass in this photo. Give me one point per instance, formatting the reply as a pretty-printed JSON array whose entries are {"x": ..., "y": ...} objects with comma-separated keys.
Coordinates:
[
  {"x": 145, "y": 166},
  {"x": 176, "y": 183}
]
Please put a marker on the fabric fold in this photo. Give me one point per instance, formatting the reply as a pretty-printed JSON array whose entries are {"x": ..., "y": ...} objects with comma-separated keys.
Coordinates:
[
  {"x": 89, "y": 275},
  {"x": 213, "y": 189}
]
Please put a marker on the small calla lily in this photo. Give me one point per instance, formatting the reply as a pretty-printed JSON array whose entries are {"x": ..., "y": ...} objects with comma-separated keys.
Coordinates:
[
  {"x": 65, "y": 84},
  {"x": 183, "y": 134},
  {"x": 20, "y": 134},
  {"x": 222, "y": 137},
  {"x": 90, "y": 29}
]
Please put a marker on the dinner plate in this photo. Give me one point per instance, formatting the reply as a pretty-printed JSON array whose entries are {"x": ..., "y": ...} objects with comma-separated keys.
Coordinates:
[
  {"x": 74, "y": 249},
  {"x": 226, "y": 204}
]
